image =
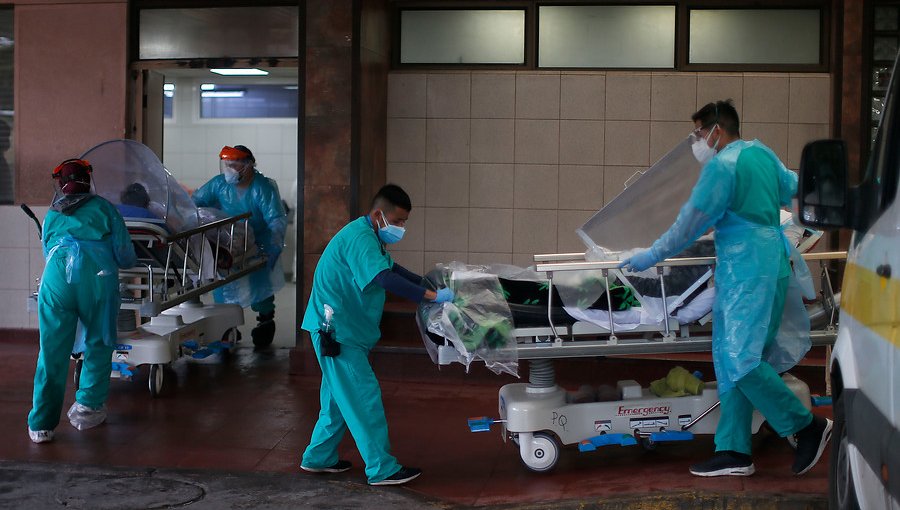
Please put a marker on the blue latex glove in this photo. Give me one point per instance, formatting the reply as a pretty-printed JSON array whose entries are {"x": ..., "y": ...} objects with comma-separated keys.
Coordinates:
[
  {"x": 444, "y": 295},
  {"x": 640, "y": 261}
]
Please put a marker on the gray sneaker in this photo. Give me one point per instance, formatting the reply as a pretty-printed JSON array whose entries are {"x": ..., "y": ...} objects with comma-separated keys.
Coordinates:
[
  {"x": 725, "y": 463},
  {"x": 403, "y": 475}
]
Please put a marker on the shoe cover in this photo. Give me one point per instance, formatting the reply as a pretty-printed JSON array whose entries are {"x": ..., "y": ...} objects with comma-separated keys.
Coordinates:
[
  {"x": 83, "y": 417},
  {"x": 40, "y": 436}
]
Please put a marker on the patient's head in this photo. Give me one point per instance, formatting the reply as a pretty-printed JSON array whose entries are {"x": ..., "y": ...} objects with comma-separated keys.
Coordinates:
[{"x": 136, "y": 195}]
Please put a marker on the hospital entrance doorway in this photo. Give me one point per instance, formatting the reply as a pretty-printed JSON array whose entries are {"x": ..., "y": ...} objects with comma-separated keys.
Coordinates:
[{"x": 200, "y": 111}]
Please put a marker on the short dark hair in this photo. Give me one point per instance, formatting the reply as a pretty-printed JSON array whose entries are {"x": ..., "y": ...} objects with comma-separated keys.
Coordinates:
[
  {"x": 392, "y": 195},
  {"x": 722, "y": 113},
  {"x": 136, "y": 195},
  {"x": 245, "y": 149}
]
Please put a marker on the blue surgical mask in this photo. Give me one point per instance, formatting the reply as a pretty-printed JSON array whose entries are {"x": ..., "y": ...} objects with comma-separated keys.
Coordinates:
[
  {"x": 231, "y": 176},
  {"x": 390, "y": 234}
]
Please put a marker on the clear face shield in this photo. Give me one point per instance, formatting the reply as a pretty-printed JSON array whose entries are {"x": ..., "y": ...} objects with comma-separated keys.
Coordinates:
[{"x": 233, "y": 170}]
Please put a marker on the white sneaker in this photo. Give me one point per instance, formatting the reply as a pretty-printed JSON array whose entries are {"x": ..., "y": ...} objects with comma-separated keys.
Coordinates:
[
  {"x": 83, "y": 417},
  {"x": 40, "y": 436}
]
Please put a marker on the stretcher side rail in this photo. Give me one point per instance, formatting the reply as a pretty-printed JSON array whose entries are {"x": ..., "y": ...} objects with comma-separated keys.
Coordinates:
[
  {"x": 179, "y": 276},
  {"x": 580, "y": 340}
]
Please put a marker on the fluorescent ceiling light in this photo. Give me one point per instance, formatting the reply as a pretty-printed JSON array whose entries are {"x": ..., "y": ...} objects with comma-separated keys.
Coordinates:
[
  {"x": 223, "y": 93},
  {"x": 169, "y": 93},
  {"x": 207, "y": 86},
  {"x": 240, "y": 72},
  {"x": 290, "y": 87},
  {"x": 169, "y": 86}
]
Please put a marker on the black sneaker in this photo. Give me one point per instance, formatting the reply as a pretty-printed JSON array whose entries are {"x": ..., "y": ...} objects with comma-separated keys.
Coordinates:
[
  {"x": 339, "y": 467},
  {"x": 402, "y": 476},
  {"x": 264, "y": 332},
  {"x": 811, "y": 442},
  {"x": 725, "y": 463}
]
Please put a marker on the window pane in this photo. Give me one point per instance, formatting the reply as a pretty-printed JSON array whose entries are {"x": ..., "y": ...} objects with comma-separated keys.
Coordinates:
[
  {"x": 754, "y": 36},
  {"x": 219, "y": 32},
  {"x": 249, "y": 101},
  {"x": 606, "y": 36},
  {"x": 168, "y": 100},
  {"x": 6, "y": 107},
  {"x": 462, "y": 37}
]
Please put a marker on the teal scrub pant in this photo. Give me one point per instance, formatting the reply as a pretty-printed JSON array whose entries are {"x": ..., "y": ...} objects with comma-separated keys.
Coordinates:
[
  {"x": 762, "y": 388},
  {"x": 350, "y": 399},
  {"x": 60, "y": 306},
  {"x": 264, "y": 307}
]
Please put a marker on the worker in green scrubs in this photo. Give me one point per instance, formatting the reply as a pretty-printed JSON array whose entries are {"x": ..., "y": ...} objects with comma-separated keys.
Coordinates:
[
  {"x": 343, "y": 317},
  {"x": 760, "y": 325},
  {"x": 85, "y": 244}
]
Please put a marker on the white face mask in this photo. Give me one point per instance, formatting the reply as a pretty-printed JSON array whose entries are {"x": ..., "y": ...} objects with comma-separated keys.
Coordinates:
[{"x": 701, "y": 149}]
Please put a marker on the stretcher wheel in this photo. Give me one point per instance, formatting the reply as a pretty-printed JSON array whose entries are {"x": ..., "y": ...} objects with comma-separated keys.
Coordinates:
[
  {"x": 544, "y": 453},
  {"x": 157, "y": 379},
  {"x": 76, "y": 376}
]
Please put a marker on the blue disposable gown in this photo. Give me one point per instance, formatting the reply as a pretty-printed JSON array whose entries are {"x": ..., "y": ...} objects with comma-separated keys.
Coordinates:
[
  {"x": 749, "y": 261},
  {"x": 269, "y": 223}
]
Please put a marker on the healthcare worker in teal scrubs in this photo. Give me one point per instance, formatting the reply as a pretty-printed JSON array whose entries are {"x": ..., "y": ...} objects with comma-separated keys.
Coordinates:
[
  {"x": 238, "y": 189},
  {"x": 85, "y": 244},
  {"x": 350, "y": 282},
  {"x": 760, "y": 327}
]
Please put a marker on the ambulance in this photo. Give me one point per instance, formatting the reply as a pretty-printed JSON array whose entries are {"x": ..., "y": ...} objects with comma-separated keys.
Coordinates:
[{"x": 865, "y": 369}]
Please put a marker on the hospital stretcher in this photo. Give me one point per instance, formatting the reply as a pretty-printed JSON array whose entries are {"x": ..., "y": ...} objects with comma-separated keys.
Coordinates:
[{"x": 540, "y": 416}]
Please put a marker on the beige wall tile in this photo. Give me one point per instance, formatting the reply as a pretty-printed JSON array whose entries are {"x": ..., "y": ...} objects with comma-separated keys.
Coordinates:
[
  {"x": 798, "y": 136},
  {"x": 628, "y": 96},
  {"x": 582, "y": 96},
  {"x": 775, "y": 136},
  {"x": 718, "y": 87},
  {"x": 14, "y": 312},
  {"x": 414, "y": 239},
  {"x": 412, "y": 260},
  {"x": 766, "y": 97},
  {"x": 614, "y": 178},
  {"x": 446, "y": 229},
  {"x": 490, "y": 230},
  {"x": 17, "y": 228},
  {"x": 491, "y": 185},
  {"x": 524, "y": 259},
  {"x": 406, "y": 95},
  {"x": 664, "y": 136},
  {"x": 433, "y": 258},
  {"x": 15, "y": 274},
  {"x": 487, "y": 259},
  {"x": 493, "y": 140},
  {"x": 534, "y": 231},
  {"x": 447, "y": 184},
  {"x": 447, "y": 96},
  {"x": 410, "y": 177},
  {"x": 537, "y": 141},
  {"x": 447, "y": 141},
  {"x": 567, "y": 223},
  {"x": 36, "y": 264},
  {"x": 810, "y": 99},
  {"x": 580, "y": 187},
  {"x": 537, "y": 96},
  {"x": 627, "y": 143},
  {"x": 536, "y": 187},
  {"x": 581, "y": 142},
  {"x": 673, "y": 96},
  {"x": 406, "y": 140},
  {"x": 493, "y": 95}
]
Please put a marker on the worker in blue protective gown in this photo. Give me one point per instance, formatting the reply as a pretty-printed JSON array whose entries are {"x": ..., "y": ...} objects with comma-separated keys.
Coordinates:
[
  {"x": 241, "y": 188},
  {"x": 350, "y": 280},
  {"x": 760, "y": 326},
  {"x": 85, "y": 244}
]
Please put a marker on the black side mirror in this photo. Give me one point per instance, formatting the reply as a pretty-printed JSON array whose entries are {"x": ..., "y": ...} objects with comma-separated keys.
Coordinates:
[{"x": 822, "y": 190}]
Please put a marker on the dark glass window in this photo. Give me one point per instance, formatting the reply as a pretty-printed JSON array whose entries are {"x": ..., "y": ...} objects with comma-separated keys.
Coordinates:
[
  {"x": 249, "y": 101},
  {"x": 7, "y": 179}
]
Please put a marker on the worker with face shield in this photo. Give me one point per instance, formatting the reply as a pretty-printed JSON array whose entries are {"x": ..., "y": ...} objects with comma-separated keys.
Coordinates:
[
  {"x": 760, "y": 326},
  {"x": 85, "y": 243},
  {"x": 238, "y": 189},
  {"x": 342, "y": 318}
]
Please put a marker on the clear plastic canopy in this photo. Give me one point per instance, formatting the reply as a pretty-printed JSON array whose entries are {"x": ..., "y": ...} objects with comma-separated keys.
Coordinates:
[
  {"x": 122, "y": 165},
  {"x": 648, "y": 206}
]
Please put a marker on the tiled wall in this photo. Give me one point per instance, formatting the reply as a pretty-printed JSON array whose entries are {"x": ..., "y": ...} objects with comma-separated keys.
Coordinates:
[
  {"x": 22, "y": 262},
  {"x": 503, "y": 165}
]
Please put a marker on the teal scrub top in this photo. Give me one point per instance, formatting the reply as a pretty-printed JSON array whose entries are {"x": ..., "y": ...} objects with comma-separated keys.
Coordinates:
[{"x": 343, "y": 280}]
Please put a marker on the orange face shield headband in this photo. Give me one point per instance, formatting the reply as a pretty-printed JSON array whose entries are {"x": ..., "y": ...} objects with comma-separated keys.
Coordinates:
[{"x": 231, "y": 154}]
